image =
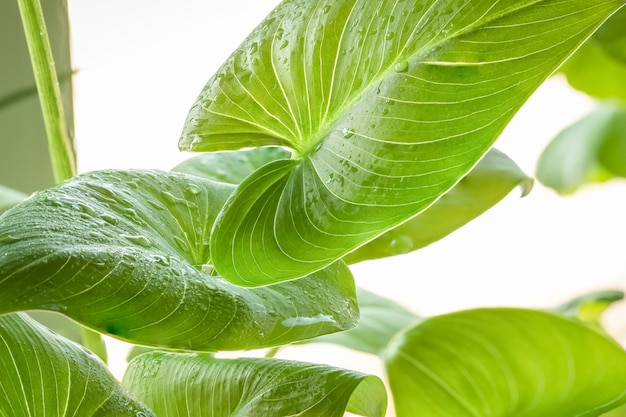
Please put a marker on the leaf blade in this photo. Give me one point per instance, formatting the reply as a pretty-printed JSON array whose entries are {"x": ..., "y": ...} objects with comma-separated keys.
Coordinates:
[
  {"x": 126, "y": 253},
  {"x": 378, "y": 141},
  {"x": 175, "y": 384},
  {"x": 505, "y": 362},
  {"x": 45, "y": 374}
]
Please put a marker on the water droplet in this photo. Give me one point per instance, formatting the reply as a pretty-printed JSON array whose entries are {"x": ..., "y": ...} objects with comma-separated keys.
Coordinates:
[
  {"x": 208, "y": 269},
  {"x": 401, "y": 66},
  {"x": 389, "y": 36},
  {"x": 347, "y": 133},
  {"x": 138, "y": 240},
  {"x": 161, "y": 260},
  {"x": 109, "y": 218},
  {"x": 326, "y": 9},
  {"x": 193, "y": 189},
  {"x": 284, "y": 44}
]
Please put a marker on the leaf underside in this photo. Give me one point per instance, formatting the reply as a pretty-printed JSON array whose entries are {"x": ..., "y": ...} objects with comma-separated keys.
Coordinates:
[
  {"x": 505, "y": 363},
  {"x": 192, "y": 385},
  {"x": 127, "y": 253},
  {"x": 387, "y": 104},
  {"x": 44, "y": 374}
]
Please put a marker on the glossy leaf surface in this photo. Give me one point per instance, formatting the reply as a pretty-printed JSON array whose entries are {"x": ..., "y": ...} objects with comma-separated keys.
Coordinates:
[
  {"x": 199, "y": 386},
  {"x": 505, "y": 363},
  {"x": 487, "y": 183},
  {"x": 9, "y": 197},
  {"x": 381, "y": 319},
  {"x": 127, "y": 253},
  {"x": 590, "y": 150},
  {"x": 43, "y": 374},
  {"x": 231, "y": 167},
  {"x": 387, "y": 105},
  {"x": 598, "y": 68}
]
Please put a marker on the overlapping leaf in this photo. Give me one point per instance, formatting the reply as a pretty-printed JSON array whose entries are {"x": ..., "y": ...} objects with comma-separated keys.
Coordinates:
[
  {"x": 381, "y": 319},
  {"x": 598, "y": 68},
  {"x": 199, "y": 386},
  {"x": 591, "y": 150},
  {"x": 505, "y": 363},
  {"x": 42, "y": 374},
  {"x": 486, "y": 184},
  {"x": 127, "y": 253},
  {"x": 387, "y": 105}
]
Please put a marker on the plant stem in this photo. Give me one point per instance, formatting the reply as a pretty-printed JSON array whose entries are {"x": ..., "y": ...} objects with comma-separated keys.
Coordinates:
[{"x": 59, "y": 141}]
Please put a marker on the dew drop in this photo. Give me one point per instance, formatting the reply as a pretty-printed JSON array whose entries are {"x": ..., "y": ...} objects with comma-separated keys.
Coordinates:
[
  {"x": 389, "y": 36},
  {"x": 193, "y": 189},
  {"x": 347, "y": 133},
  {"x": 326, "y": 9},
  {"x": 138, "y": 240},
  {"x": 401, "y": 66},
  {"x": 109, "y": 219}
]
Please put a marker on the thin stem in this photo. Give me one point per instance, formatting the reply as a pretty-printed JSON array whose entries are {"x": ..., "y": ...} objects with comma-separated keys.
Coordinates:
[{"x": 59, "y": 141}]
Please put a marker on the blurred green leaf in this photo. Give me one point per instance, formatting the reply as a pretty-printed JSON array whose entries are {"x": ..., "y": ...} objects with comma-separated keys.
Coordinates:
[
  {"x": 591, "y": 150},
  {"x": 381, "y": 319},
  {"x": 127, "y": 253},
  {"x": 589, "y": 307},
  {"x": 198, "y": 386},
  {"x": 487, "y": 183},
  {"x": 9, "y": 198},
  {"x": 598, "y": 68},
  {"x": 505, "y": 363},
  {"x": 43, "y": 374}
]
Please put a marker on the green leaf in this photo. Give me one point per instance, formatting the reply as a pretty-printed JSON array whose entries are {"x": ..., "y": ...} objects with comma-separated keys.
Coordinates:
[
  {"x": 231, "y": 167},
  {"x": 591, "y": 150},
  {"x": 598, "y": 68},
  {"x": 487, "y": 183},
  {"x": 381, "y": 319},
  {"x": 589, "y": 307},
  {"x": 9, "y": 197},
  {"x": 505, "y": 363},
  {"x": 44, "y": 374},
  {"x": 197, "y": 385},
  {"x": 387, "y": 105},
  {"x": 126, "y": 253}
]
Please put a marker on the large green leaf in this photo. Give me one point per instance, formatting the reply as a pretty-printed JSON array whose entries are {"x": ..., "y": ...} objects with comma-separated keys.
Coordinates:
[
  {"x": 231, "y": 167},
  {"x": 43, "y": 374},
  {"x": 505, "y": 363},
  {"x": 387, "y": 104},
  {"x": 590, "y": 150},
  {"x": 487, "y": 183},
  {"x": 599, "y": 67},
  {"x": 198, "y": 386},
  {"x": 126, "y": 253},
  {"x": 381, "y": 319},
  {"x": 9, "y": 197}
]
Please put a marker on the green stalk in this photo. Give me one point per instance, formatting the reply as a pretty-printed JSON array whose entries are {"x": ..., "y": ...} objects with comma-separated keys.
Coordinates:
[{"x": 59, "y": 141}]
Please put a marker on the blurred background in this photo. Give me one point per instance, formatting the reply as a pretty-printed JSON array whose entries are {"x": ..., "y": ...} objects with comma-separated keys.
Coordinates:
[{"x": 138, "y": 66}]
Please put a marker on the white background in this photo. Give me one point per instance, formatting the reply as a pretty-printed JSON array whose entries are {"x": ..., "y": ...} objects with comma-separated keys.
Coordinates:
[{"x": 142, "y": 63}]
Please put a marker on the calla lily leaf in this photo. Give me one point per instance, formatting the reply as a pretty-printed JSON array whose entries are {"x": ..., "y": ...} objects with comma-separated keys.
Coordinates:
[
  {"x": 44, "y": 374},
  {"x": 598, "y": 68},
  {"x": 386, "y": 104},
  {"x": 127, "y": 253},
  {"x": 231, "y": 167},
  {"x": 591, "y": 150},
  {"x": 503, "y": 362},
  {"x": 381, "y": 319},
  {"x": 198, "y": 386},
  {"x": 589, "y": 307},
  {"x": 487, "y": 183}
]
